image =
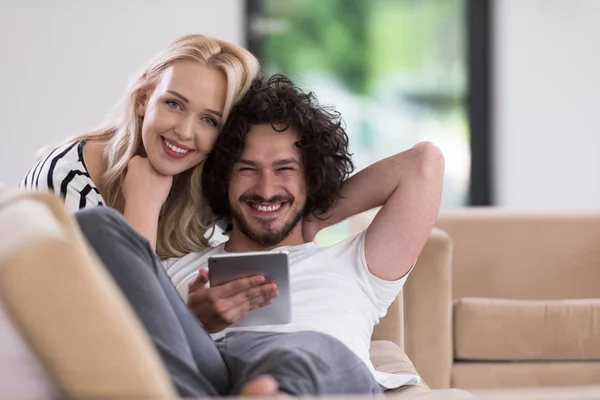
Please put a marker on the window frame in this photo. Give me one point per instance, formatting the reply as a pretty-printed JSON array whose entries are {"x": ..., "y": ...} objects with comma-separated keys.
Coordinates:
[{"x": 479, "y": 21}]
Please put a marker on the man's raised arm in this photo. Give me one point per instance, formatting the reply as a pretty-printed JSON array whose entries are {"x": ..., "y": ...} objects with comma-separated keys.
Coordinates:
[{"x": 409, "y": 185}]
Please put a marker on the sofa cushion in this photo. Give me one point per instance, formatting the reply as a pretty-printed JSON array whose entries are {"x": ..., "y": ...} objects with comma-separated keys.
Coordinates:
[
  {"x": 499, "y": 329},
  {"x": 537, "y": 393},
  {"x": 519, "y": 374}
]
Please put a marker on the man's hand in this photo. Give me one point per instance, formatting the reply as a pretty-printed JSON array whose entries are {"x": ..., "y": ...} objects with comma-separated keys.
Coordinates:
[{"x": 220, "y": 306}]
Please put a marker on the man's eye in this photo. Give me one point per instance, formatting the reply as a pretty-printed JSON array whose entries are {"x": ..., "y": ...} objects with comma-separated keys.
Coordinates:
[
  {"x": 173, "y": 104},
  {"x": 245, "y": 169},
  {"x": 285, "y": 169}
]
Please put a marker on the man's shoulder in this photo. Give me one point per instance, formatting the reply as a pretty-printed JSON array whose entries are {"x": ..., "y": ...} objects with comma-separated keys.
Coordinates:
[
  {"x": 351, "y": 247},
  {"x": 352, "y": 242},
  {"x": 196, "y": 258}
]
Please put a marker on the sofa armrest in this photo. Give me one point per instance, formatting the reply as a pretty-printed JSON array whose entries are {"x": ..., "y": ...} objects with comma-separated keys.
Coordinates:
[
  {"x": 387, "y": 357},
  {"x": 428, "y": 312},
  {"x": 390, "y": 327},
  {"x": 69, "y": 309}
]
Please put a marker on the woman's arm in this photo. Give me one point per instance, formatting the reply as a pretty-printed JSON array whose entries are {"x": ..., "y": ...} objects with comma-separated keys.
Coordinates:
[
  {"x": 63, "y": 172},
  {"x": 145, "y": 191}
]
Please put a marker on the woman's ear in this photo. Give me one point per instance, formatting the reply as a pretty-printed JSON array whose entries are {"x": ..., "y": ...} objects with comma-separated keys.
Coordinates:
[{"x": 142, "y": 102}]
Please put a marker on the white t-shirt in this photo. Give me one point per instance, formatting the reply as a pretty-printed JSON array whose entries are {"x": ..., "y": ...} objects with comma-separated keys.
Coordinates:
[{"x": 332, "y": 292}]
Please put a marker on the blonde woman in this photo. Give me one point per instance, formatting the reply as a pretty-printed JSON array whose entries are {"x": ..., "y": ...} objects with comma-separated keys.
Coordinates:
[{"x": 146, "y": 161}]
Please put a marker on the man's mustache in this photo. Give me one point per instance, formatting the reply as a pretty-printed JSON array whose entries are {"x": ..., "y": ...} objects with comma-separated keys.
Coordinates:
[{"x": 255, "y": 198}]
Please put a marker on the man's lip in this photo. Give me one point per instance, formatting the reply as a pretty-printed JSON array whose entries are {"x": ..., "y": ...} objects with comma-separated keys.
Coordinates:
[
  {"x": 176, "y": 143},
  {"x": 251, "y": 203}
]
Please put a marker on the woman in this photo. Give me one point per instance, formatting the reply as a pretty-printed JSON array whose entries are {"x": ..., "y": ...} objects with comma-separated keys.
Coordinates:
[{"x": 146, "y": 161}]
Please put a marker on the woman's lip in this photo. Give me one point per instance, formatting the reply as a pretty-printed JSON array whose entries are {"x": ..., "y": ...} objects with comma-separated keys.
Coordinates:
[
  {"x": 172, "y": 153},
  {"x": 175, "y": 143}
]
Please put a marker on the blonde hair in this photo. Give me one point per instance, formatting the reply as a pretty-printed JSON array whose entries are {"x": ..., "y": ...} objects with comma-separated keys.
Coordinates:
[{"x": 184, "y": 217}]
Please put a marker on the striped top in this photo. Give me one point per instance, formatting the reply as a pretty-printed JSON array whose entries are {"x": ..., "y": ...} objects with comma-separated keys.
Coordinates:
[{"x": 63, "y": 171}]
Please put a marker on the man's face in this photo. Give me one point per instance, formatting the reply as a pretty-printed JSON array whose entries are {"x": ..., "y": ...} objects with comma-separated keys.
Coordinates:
[{"x": 267, "y": 190}]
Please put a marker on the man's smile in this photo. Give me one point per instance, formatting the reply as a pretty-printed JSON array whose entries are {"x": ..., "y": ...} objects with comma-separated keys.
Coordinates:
[{"x": 266, "y": 209}]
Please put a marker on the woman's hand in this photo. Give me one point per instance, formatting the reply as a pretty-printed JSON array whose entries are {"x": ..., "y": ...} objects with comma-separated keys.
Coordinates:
[
  {"x": 145, "y": 185},
  {"x": 145, "y": 191}
]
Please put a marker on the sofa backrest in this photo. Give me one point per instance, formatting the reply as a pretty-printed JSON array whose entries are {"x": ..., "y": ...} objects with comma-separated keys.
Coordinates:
[{"x": 523, "y": 255}]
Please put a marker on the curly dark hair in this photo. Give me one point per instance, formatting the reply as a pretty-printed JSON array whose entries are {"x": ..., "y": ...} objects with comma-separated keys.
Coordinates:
[{"x": 322, "y": 141}]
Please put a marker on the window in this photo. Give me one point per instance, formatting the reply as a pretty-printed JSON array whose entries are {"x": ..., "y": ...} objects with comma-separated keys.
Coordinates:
[{"x": 397, "y": 70}]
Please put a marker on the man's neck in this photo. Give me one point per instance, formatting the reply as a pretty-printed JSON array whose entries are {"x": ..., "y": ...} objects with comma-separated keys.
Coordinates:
[{"x": 238, "y": 242}]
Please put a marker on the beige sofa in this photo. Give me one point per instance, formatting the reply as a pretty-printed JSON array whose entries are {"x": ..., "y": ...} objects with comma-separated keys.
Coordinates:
[
  {"x": 515, "y": 311},
  {"x": 67, "y": 331}
]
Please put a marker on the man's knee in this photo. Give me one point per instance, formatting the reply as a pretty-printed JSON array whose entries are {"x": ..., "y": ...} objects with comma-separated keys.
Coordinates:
[
  {"x": 100, "y": 222},
  {"x": 97, "y": 216},
  {"x": 322, "y": 344}
]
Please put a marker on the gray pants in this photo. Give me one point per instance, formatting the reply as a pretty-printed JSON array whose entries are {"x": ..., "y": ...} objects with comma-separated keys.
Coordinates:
[{"x": 303, "y": 363}]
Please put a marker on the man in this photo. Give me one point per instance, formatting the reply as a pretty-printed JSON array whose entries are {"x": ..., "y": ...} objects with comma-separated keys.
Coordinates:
[
  {"x": 280, "y": 171},
  {"x": 282, "y": 158}
]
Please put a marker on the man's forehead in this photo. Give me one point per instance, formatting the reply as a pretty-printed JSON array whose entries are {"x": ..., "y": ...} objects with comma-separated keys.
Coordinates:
[
  {"x": 267, "y": 129},
  {"x": 265, "y": 139}
]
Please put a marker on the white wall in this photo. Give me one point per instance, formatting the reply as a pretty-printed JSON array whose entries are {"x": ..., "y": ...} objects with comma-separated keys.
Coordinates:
[
  {"x": 547, "y": 103},
  {"x": 65, "y": 63}
]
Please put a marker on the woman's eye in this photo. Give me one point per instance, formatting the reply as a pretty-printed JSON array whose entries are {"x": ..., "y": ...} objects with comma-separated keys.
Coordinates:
[
  {"x": 210, "y": 121},
  {"x": 173, "y": 104}
]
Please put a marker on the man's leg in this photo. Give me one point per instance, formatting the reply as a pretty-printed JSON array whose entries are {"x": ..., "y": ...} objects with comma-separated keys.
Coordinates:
[
  {"x": 303, "y": 363},
  {"x": 187, "y": 350}
]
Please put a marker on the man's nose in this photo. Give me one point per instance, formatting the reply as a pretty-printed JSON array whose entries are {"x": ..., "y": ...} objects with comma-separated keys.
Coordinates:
[{"x": 266, "y": 186}]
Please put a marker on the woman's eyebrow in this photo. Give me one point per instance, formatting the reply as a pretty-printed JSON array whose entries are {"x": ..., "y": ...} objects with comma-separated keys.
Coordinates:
[
  {"x": 185, "y": 99},
  {"x": 182, "y": 97}
]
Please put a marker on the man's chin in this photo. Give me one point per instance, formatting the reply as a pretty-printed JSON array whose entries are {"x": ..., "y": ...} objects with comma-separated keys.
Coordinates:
[
  {"x": 267, "y": 231},
  {"x": 266, "y": 238}
]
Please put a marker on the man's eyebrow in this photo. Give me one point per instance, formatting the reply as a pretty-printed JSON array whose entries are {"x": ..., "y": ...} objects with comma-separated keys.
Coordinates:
[
  {"x": 286, "y": 161},
  {"x": 281, "y": 162},
  {"x": 246, "y": 162},
  {"x": 185, "y": 99}
]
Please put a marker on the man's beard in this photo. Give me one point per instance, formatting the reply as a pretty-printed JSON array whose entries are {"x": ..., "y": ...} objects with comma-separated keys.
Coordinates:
[{"x": 267, "y": 237}]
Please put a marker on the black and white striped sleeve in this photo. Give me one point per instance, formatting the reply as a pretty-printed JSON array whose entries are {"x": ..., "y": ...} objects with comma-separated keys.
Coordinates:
[{"x": 63, "y": 172}]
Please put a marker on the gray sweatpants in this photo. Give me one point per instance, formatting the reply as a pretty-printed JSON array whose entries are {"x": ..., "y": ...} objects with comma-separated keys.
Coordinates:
[
  {"x": 304, "y": 363},
  {"x": 301, "y": 362}
]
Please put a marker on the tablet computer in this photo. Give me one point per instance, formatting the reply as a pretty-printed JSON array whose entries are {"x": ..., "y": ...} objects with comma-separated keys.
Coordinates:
[{"x": 273, "y": 265}]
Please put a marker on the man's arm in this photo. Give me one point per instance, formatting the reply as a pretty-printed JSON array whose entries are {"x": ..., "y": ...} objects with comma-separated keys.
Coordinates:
[{"x": 409, "y": 185}]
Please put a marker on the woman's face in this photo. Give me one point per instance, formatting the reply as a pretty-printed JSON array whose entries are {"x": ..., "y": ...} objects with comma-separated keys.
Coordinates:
[{"x": 182, "y": 116}]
